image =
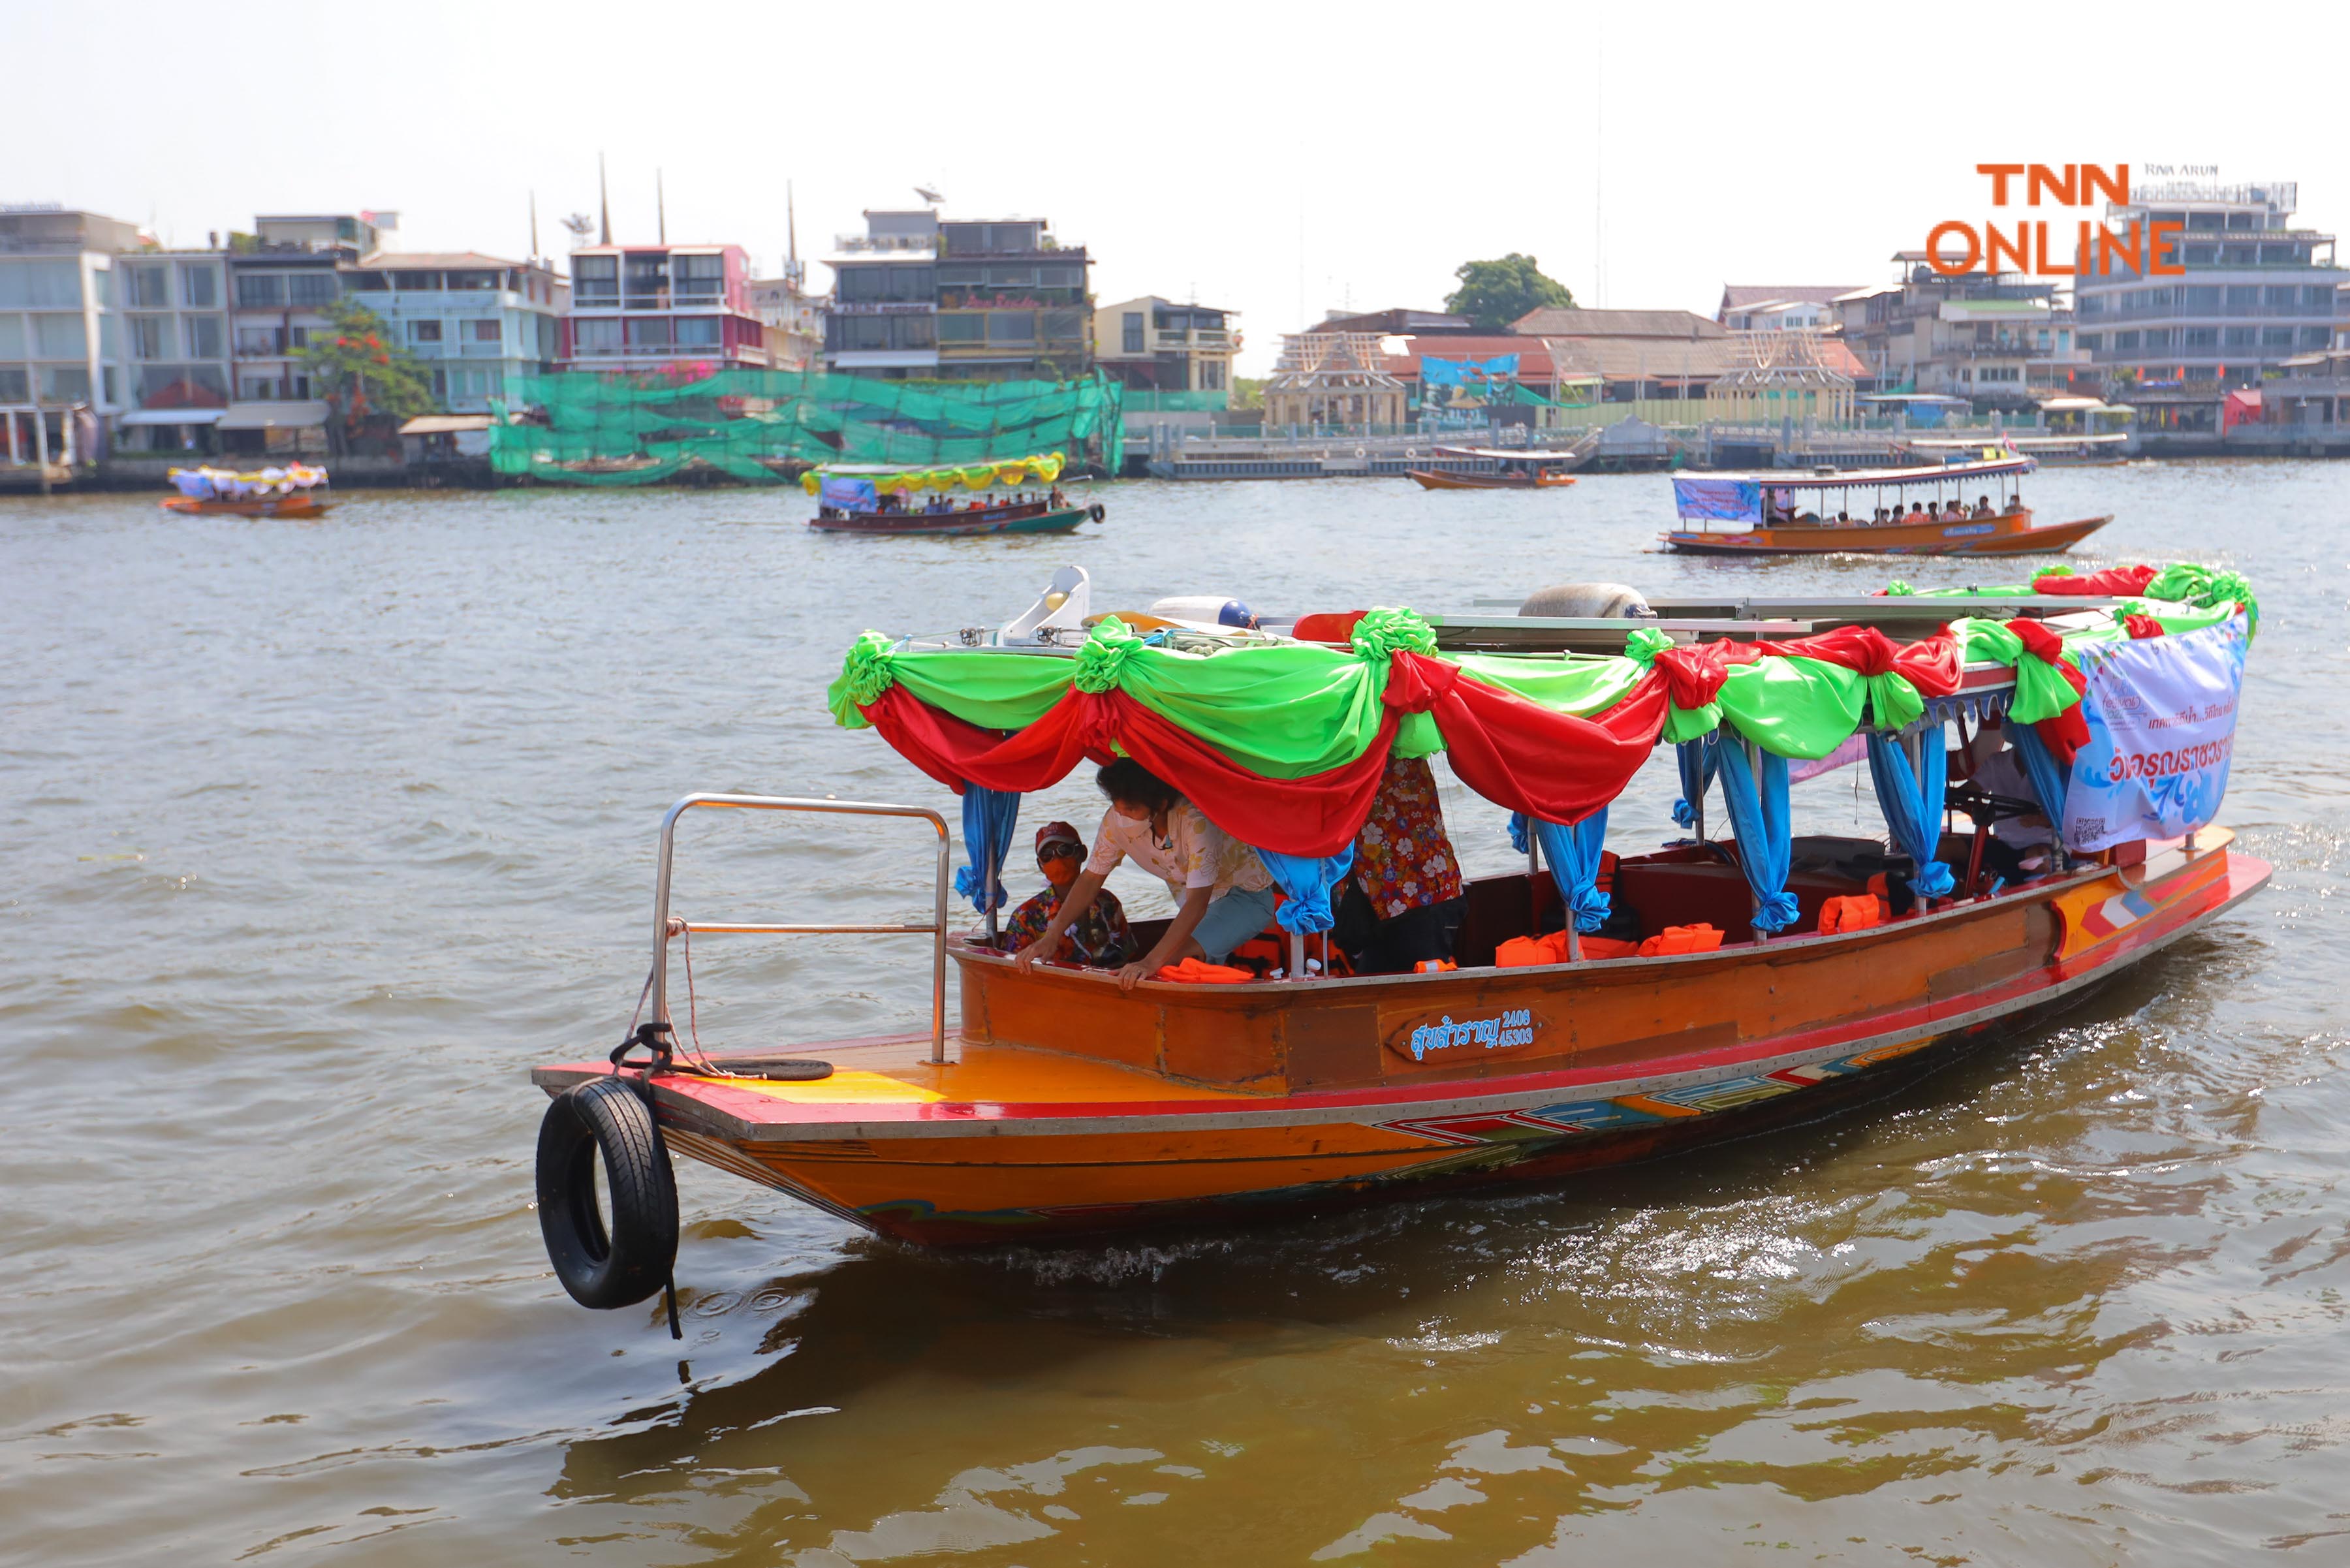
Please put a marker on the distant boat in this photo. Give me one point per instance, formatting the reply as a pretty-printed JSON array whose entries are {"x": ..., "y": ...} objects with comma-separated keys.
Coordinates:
[
  {"x": 1785, "y": 512},
  {"x": 861, "y": 498},
  {"x": 296, "y": 490},
  {"x": 1510, "y": 470}
]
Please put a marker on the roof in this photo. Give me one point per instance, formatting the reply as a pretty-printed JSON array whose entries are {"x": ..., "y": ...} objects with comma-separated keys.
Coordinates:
[
  {"x": 1736, "y": 295},
  {"x": 1855, "y": 477},
  {"x": 285, "y": 416},
  {"x": 1552, "y": 321},
  {"x": 445, "y": 424},
  {"x": 1396, "y": 320},
  {"x": 432, "y": 261}
]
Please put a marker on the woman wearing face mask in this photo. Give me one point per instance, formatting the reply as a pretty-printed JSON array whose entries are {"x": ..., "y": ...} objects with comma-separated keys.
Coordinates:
[
  {"x": 1099, "y": 935},
  {"x": 1223, "y": 893}
]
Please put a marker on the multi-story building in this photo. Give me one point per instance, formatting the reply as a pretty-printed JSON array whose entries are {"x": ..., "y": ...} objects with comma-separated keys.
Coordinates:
[
  {"x": 2254, "y": 291},
  {"x": 2002, "y": 340},
  {"x": 61, "y": 331},
  {"x": 476, "y": 321},
  {"x": 793, "y": 317},
  {"x": 1153, "y": 345},
  {"x": 681, "y": 310},
  {"x": 177, "y": 375},
  {"x": 283, "y": 277},
  {"x": 918, "y": 296}
]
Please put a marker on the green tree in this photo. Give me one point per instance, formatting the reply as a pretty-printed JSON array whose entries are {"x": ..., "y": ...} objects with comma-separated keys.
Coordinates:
[
  {"x": 358, "y": 367},
  {"x": 1496, "y": 292}
]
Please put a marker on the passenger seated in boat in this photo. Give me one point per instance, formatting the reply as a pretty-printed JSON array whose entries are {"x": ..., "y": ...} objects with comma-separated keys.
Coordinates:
[
  {"x": 1224, "y": 893},
  {"x": 1100, "y": 937},
  {"x": 1983, "y": 507},
  {"x": 1402, "y": 902},
  {"x": 2017, "y": 846}
]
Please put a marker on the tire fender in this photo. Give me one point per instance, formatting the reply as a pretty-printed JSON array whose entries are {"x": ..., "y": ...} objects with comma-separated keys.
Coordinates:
[
  {"x": 620, "y": 1259},
  {"x": 1097, "y": 512}
]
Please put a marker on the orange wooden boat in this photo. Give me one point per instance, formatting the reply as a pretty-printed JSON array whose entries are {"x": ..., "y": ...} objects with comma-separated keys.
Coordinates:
[
  {"x": 1058, "y": 1105},
  {"x": 302, "y": 504},
  {"x": 294, "y": 490},
  {"x": 1787, "y": 513},
  {"x": 1499, "y": 468}
]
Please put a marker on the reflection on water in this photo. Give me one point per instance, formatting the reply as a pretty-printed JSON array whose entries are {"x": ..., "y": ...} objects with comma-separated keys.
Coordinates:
[{"x": 315, "y": 837}]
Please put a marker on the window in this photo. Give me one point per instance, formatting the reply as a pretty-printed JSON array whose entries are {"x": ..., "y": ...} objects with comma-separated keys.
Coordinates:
[
  {"x": 204, "y": 335},
  {"x": 259, "y": 389},
  {"x": 40, "y": 284},
  {"x": 1065, "y": 326},
  {"x": 200, "y": 285},
  {"x": 2243, "y": 298},
  {"x": 595, "y": 278},
  {"x": 150, "y": 286},
  {"x": 15, "y": 387},
  {"x": 60, "y": 336},
  {"x": 474, "y": 278},
  {"x": 914, "y": 331},
  {"x": 310, "y": 288},
  {"x": 182, "y": 386},
  {"x": 2092, "y": 305},
  {"x": 2201, "y": 256},
  {"x": 964, "y": 327},
  {"x": 12, "y": 339},
  {"x": 864, "y": 332},
  {"x": 2318, "y": 297},
  {"x": 951, "y": 276},
  {"x": 424, "y": 332},
  {"x": 2158, "y": 340},
  {"x": 2093, "y": 341},
  {"x": 2204, "y": 298},
  {"x": 2240, "y": 337},
  {"x": 2239, "y": 255},
  {"x": 65, "y": 383},
  {"x": 1011, "y": 276},
  {"x": 2124, "y": 342},
  {"x": 699, "y": 277},
  {"x": 2282, "y": 295},
  {"x": 1130, "y": 332},
  {"x": 368, "y": 282},
  {"x": 648, "y": 279},
  {"x": 2276, "y": 337},
  {"x": 301, "y": 386},
  {"x": 297, "y": 338},
  {"x": 2313, "y": 337},
  {"x": 697, "y": 331},
  {"x": 595, "y": 335},
  {"x": 483, "y": 329},
  {"x": 1017, "y": 326},
  {"x": 650, "y": 333},
  {"x": 2201, "y": 337},
  {"x": 259, "y": 342},
  {"x": 1061, "y": 276},
  {"x": 261, "y": 288},
  {"x": 1211, "y": 376},
  {"x": 152, "y": 337}
]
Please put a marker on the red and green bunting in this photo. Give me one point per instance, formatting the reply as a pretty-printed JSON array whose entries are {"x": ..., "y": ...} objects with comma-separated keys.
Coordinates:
[{"x": 1283, "y": 745}]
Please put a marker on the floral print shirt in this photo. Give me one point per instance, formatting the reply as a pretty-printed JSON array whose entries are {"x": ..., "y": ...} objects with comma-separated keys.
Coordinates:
[
  {"x": 1099, "y": 937},
  {"x": 1402, "y": 859}
]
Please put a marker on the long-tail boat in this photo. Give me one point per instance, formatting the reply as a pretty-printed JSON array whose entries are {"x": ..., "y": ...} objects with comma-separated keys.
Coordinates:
[
  {"x": 1053, "y": 1102},
  {"x": 867, "y": 498},
  {"x": 1834, "y": 512},
  {"x": 296, "y": 490}
]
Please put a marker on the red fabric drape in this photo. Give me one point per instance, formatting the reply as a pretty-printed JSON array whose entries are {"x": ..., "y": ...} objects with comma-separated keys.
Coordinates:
[
  {"x": 2068, "y": 731},
  {"x": 1694, "y": 671},
  {"x": 2141, "y": 626},
  {"x": 2113, "y": 582},
  {"x": 1523, "y": 757},
  {"x": 1932, "y": 664}
]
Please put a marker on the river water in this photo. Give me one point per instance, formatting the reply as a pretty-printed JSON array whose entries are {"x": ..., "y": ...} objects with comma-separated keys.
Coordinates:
[{"x": 315, "y": 837}]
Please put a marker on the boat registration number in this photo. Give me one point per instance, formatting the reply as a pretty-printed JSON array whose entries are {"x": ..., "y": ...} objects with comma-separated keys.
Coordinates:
[{"x": 1449, "y": 1040}]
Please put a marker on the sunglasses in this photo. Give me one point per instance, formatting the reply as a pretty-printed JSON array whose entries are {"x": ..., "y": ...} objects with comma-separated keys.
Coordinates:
[{"x": 1060, "y": 849}]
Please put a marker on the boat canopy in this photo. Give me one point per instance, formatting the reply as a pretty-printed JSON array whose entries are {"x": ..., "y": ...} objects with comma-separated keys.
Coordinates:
[
  {"x": 1042, "y": 468},
  {"x": 1282, "y": 743},
  {"x": 1738, "y": 497}
]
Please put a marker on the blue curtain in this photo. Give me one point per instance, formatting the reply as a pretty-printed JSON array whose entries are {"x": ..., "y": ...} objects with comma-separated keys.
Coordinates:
[
  {"x": 2050, "y": 778},
  {"x": 1697, "y": 765},
  {"x": 988, "y": 818},
  {"x": 1912, "y": 804},
  {"x": 1758, "y": 815},
  {"x": 1307, "y": 880},
  {"x": 1572, "y": 856}
]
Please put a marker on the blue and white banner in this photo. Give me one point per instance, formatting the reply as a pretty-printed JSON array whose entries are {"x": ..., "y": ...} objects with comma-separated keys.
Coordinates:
[
  {"x": 1719, "y": 500},
  {"x": 2162, "y": 729}
]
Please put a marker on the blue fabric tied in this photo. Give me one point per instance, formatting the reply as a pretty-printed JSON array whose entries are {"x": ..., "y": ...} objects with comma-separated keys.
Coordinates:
[
  {"x": 1758, "y": 816},
  {"x": 1307, "y": 880},
  {"x": 1697, "y": 764},
  {"x": 1912, "y": 804},
  {"x": 2050, "y": 778},
  {"x": 989, "y": 817},
  {"x": 1572, "y": 856}
]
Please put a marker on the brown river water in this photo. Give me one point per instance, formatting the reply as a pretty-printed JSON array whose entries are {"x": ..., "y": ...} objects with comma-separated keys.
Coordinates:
[{"x": 315, "y": 837}]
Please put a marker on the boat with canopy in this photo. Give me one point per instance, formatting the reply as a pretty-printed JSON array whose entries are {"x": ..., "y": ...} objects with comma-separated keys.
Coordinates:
[
  {"x": 1826, "y": 511},
  {"x": 1021, "y": 497},
  {"x": 296, "y": 490},
  {"x": 1590, "y": 1019},
  {"x": 1505, "y": 469}
]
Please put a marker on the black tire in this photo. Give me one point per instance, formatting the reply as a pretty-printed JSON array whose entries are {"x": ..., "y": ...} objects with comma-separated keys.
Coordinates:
[
  {"x": 1097, "y": 512},
  {"x": 627, "y": 1262}
]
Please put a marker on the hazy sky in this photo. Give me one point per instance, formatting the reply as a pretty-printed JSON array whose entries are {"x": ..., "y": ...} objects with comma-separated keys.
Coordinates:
[{"x": 1279, "y": 160}]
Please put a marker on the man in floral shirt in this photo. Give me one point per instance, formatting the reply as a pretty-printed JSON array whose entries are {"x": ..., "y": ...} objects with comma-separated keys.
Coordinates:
[
  {"x": 1100, "y": 937},
  {"x": 1403, "y": 902}
]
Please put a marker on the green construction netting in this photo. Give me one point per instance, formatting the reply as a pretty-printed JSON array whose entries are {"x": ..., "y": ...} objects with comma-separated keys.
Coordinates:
[{"x": 764, "y": 426}]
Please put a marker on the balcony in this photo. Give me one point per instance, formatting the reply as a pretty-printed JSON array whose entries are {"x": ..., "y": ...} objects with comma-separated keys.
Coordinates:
[
  {"x": 1210, "y": 339},
  {"x": 663, "y": 351},
  {"x": 652, "y": 300}
]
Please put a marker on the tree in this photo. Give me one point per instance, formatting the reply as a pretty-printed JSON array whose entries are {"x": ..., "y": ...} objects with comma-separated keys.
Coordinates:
[
  {"x": 1497, "y": 293},
  {"x": 355, "y": 365}
]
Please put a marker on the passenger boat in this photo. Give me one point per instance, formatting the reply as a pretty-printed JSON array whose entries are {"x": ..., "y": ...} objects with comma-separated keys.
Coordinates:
[
  {"x": 296, "y": 490},
  {"x": 858, "y": 498},
  {"x": 1785, "y": 512},
  {"x": 1054, "y": 1102},
  {"x": 1510, "y": 469}
]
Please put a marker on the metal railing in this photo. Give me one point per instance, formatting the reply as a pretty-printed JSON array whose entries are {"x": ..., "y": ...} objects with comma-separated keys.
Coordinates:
[{"x": 936, "y": 929}]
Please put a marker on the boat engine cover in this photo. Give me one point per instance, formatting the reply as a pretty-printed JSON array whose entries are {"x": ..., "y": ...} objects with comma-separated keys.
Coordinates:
[{"x": 1608, "y": 601}]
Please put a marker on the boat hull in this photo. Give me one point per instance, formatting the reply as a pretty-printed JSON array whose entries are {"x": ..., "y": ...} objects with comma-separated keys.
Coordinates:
[
  {"x": 955, "y": 524},
  {"x": 301, "y": 505},
  {"x": 1222, "y": 1102},
  {"x": 2012, "y": 533},
  {"x": 1437, "y": 478}
]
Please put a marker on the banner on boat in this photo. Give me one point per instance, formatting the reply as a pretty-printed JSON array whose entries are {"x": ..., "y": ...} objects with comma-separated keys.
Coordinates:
[
  {"x": 2162, "y": 729},
  {"x": 1719, "y": 500}
]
